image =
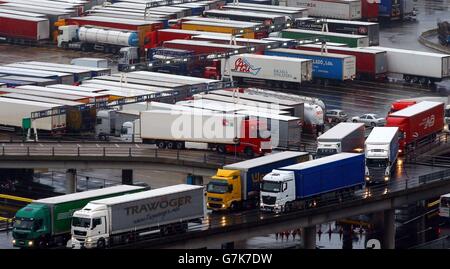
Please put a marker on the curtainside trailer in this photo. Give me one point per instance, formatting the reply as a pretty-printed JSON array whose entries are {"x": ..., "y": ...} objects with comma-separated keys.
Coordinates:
[
  {"x": 23, "y": 29},
  {"x": 351, "y": 40}
]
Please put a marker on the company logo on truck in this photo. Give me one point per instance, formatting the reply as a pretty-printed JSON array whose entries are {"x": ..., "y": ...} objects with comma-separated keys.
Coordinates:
[
  {"x": 159, "y": 204},
  {"x": 242, "y": 65},
  {"x": 427, "y": 122}
]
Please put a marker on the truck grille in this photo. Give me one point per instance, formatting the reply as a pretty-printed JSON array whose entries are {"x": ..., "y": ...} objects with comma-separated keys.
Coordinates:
[
  {"x": 376, "y": 174},
  {"x": 215, "y": 199},
  {"x": 17, "y": 235},
  {"x": 268, "y": 200},
  {"x": 82, "y": 233},
  {"x": 215, "y": 205}
]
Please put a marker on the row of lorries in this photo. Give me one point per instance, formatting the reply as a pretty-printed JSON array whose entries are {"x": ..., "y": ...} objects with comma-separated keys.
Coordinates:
[{"x": 278, "y": 182}]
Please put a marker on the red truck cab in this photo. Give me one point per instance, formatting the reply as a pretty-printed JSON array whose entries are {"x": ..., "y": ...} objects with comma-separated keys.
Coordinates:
[
  {"x": 253, "y": 139},
  {"x": 399, "y": 105}
]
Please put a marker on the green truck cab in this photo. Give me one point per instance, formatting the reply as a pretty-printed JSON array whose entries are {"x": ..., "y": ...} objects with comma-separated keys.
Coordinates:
[{"x": 47, "y": 222}]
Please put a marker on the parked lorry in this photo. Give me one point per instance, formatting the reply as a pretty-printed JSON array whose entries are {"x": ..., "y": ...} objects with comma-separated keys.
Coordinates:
[
  {"x": 417, "y": 123},
  {"x": 351, "y": 40},
  {"x": 334, "y": 9},
  {"x": 404, "y": 103},
  {"x": 236, "y": 186},
  {"x": 109, "y": 122},
  {"x": 344, "y": 137},
  {"x": 370, "y": 64},
  {"x": 89, "y": 39},
  {"x": 370, "y": 10},
  {"x": 225, "y": 132},
  {"x": 324, "y": 66},
  {"x": 271, "y": 70},
  {"x": 389, "y": 10},
  {"x": 399, "y": 61},
  {"x": 370, "y": 29},
  {"x": 23, "y": 29},
  {"x": 381, "y": 151},
  {"x": 47, "y": 222},
  {"x": 127, "y": 218},
  {"x": 312, "y": 183}
]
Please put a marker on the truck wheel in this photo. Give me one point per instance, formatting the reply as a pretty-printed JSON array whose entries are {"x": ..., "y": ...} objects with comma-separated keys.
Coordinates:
[
  {"x": 372, "y": 124},
  {"x": 234, "y": 206},
  {"x": 354, "y": 121},
  {"x": 161, "y": 144},
  {"x": 101, "y": 243},
  {"x": 221, "y": 149},
  {"x": 179, "y": 145},
  {"x": 249, "y": 152},
  {"x": 170, "y": 145},
  {"x": 423, "y": 81}
]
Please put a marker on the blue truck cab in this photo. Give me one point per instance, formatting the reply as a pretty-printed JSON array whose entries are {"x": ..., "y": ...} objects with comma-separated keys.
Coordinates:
[{"x": 301, "y": 185}]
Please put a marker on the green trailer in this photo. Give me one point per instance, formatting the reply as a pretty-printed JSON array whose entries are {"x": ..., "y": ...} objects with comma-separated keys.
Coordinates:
[
  {"x": 47, "y": 222},
  {"x": 352, "y": 41}
]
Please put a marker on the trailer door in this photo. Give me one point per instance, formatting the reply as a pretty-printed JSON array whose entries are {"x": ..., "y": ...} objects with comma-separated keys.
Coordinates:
[{"x": 445, "y": 67}]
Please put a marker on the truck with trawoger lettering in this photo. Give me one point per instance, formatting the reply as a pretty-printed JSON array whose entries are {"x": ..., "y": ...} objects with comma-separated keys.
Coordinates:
[
  {"x": 46, "y": 222},
  {"x": 134, "y": 217},
  {"x": 418, "y": 123}
]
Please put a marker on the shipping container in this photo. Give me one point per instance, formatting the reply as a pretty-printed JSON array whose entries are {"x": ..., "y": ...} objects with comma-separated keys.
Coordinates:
[
  {"x": 23, "y": 28},
  {"x": 333, "y": 9},
  {"x": 352, "y": 41},
  {"x": 417, "y": 123},
  {"x": 370, "y": 29},
  {"x": 202, "y": 47},
  {"x": 370, "y": 64},
  {"x": 60, "y": 77},
  {"x": 325, "y": 66},
  {"x": 244, "y": 31}
]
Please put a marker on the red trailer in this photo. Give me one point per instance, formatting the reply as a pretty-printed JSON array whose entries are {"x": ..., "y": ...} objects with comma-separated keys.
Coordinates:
[
  {"x": 201, "y": 47},
  {"x": 369, "y": 10},
  {"x": 399, "y": 105},
  {"x": 417, "y": 123},
  {"x": 23, "y": 29},
  {"x": 370, "y": 64},
  {"x": 171, "y": 34}
]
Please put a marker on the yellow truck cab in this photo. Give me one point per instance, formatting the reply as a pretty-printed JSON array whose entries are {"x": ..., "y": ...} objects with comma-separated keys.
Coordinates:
[{"x": 236, "y": 186}]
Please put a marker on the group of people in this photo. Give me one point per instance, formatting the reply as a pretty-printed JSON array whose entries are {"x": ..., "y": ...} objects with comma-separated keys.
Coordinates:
[{"x": 287, "y": 234}]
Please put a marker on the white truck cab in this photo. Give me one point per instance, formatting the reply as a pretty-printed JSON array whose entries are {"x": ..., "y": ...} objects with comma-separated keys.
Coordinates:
[
  {"x": 89, "y": 227},
  {"x": 328, "y": 148},
  {"x": 67, "y": 34},
  {"x": 277, "y": 191}
]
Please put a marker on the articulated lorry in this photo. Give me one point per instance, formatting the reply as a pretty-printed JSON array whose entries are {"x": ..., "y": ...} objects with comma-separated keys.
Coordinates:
[
  {"x": 344, "y": 137},
  {"x": 47, "y": 222},
  {"x": 236, "y": 185},
  {"x": 94, "y": 38},
  {"x": 312, "y": 183},
  {"x": 227, "y": 133},
  {"x": 129, "y": 218},
  {"x": 419, "y": 123},
  {"x": 381, "y": 150}
]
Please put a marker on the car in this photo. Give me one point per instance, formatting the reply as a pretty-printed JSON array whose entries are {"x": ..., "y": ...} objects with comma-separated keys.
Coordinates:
[
  {"x": 336, "y": 115},
  {"x": 370, "y": 120}
]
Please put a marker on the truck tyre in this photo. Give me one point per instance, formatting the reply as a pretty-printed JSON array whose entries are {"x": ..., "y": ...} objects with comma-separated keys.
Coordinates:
[
  {"x": 234, "y": 206},
  {"x": 355, "y": 121},
  {"x": 249, "y": 152},
  {"x": 423, "y": 81},
  {"x": 221, "y": 149},
  {"x": 64, "y": 45},
  {"x": 179, "y": 145},
  {"x": 372, "y": 124},
  {"x": 161, "y": 144},
  {"x": 101, "y": 243},
  {"x": 170, "y": 145}
]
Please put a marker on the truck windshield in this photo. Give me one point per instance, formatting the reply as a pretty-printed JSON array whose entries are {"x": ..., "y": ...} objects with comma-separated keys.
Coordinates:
[
  {"x": 23, "y": 223},
  {"x": 81, "y": 222},
  {"x": 217, "y": 187},
  {"x": 447, "y": 112},
  {"x": 325, "y": 152},
  {"x": 376, "y": 162},
  {"x": 270, "y": 186},
  {"x": 124, "y": 131}
]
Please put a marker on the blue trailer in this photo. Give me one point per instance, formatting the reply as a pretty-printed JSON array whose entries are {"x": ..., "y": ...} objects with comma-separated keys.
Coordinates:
[
  {"x": 309, "y": 184},
  {"x": 325, "y": 65},
  {"x": 389, "y": 10},
  {"x": 237, "y": 185}
]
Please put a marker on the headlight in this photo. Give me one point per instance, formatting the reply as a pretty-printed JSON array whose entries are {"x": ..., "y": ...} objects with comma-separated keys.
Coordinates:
[
  {"x": 89, "y": 240},
  {"x": 367, "y": 178},
  {"x": 223, "y": 206},
  {"x": 386, "y": 178},
  {"x": 14, "y": 241},
  {"x": 30, "y": 243}
]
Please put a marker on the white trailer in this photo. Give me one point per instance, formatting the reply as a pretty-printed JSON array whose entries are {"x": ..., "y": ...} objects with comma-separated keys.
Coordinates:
[
  {"x": 333, "y": 9},
  {"x": 344, "y": 137},
  {"x": 433, "y": 67},
  {"x": 268, "y": 69},
  {"x": 381, "y": 150},
  {"x": 114, "y": 220},
  {"x": 13, "y": 111}
]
